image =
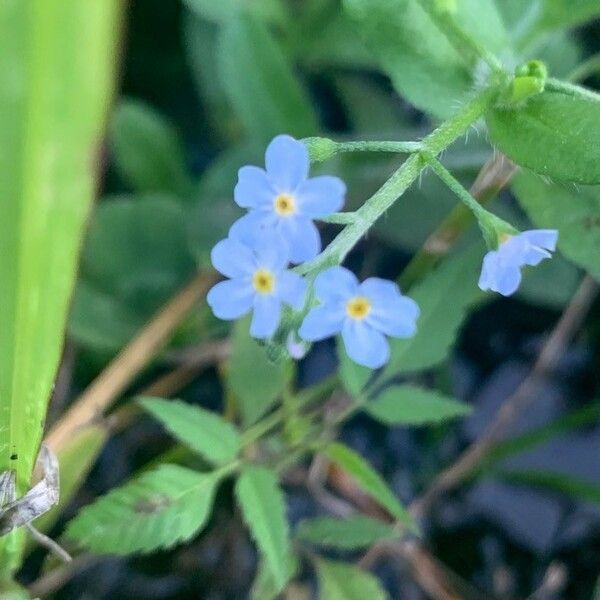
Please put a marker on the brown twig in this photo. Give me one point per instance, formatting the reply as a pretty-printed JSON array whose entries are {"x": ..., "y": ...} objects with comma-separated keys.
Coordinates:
[
  {"x": 129, "y": 362},
  {"x": 567, "y": 326},
  {"x": 56, "y": 579}
]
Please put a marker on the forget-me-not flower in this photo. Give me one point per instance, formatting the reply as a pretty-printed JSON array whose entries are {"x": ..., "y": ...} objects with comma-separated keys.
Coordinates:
[
  {"x": 363, "y": 312},
  {"x": 258, "y": 280},
  {"x": 501, "y": 270},
  {"x": 283, "y": 198}
]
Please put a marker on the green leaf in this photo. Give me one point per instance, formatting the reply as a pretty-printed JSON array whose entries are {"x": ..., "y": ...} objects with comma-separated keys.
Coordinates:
[
  {"x": 410, "y": 405},
  {"x": 157, "y": 510},
  {"x": 225, "y": 10},
  {"x": 557, "y": 482},
  {"x": 147, "y": 150},
  {"x": 264, "y": 511},
  {"x": 56, "y": 76},
  {"x": 416, "y": 54},
  {"x": 443, "y": 297},
  {"x": 135, "y": 257},
  {"x": 352, "y": 533},
  {"x": 260, "y": 82},
  {"x": 369, "y": 480},
  {"x": 255, "y": 381},
  {"x": 554, "y": 134},
  {"x": 567, "y": 423},
  {"x": 201, "y": 430},
  {"x": 574, "y": 212},
  {"x": 558, "y": 14},
  {"x": 264, "y": 586},
  {"x": 340, "y": 581}
]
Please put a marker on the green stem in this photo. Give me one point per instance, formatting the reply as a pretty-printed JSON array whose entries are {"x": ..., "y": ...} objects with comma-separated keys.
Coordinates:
[
  {"x": 455, "y": 186},
  {"x": 340, "y": 218},
  {"x": 589, "y": 67},
  {"x": 556, "y": 85},
  {"x": 379, "y": 146},
  {"x": 399, "y": 182},
  {"x": 466, "y": 45}
]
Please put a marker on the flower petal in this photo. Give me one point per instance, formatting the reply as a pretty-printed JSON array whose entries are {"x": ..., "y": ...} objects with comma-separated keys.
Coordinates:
[
  {"x": 302, "y": 236},
  {"x": 499, "y": 275},
  {"x": 287, "y": 163},
  {"x": 272, "y": 251},
  {"x": 232, "y": 258},
  {"x": 397, "y": 318},
  {"x": 230, "y": 299},
  {"x": 253, "y": 188},
  {"x": 335, "y": 284},
  {"x": 322, "y": 322},
  {"x": 250, "y": 228},
  {"x": 365, "y": 345},
  {"x": 291, "y": 289},
  {"x": 267, "y": 312},
  {"x": 542, "y": 238},
  {"x": 320, "y": 196},
  {"x": 534, "y": 256}
]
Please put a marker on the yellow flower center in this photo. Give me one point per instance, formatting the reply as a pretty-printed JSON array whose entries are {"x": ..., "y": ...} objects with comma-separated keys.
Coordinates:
[
  {"x": 358, "y": 307},
  {"x": 285, "y": 205},
  {"x": 263, "y": 281}
]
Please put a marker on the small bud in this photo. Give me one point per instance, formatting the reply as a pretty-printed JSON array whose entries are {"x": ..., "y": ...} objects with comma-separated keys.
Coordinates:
[
  {"x": 320, "y": 149},
  {"x": 529, "y": 80}
]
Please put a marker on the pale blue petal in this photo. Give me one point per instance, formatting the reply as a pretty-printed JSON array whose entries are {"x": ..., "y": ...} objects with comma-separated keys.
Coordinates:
[
  {"x": 233, "y": 258},
  {"x": 534, "y": 256},
  {"x": 291, "y": 289},
  {"x": 231, "y": 299},
  {"x": 302, "y": 237},
  {"x": 272, "y": 251},
  {"x": 322, "y": 322},
  {"x": 499, "y": 275},
  {"x": 287, "y": 163},
  {"x": 267, "y": 312},
  {"x": 251, "y": 228},
  {"x": 335, "y": 284},
  {"x": 365, "y": 345},
  {"x": 397, "y": 317},
  {"x": 253, "y": 188},
  {"x": 488, "y": 270},
  {"x": 542, "y": 238},
  {"x": 320, "y": 196}
]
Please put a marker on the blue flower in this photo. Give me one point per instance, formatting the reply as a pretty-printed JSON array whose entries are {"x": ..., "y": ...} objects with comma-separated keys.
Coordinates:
[
  {"x": 501, "y": 270},
  {"x": 363, "y": 312},
  {"x": 258, "y": 280},
  {"x": 284, "y": 199}
]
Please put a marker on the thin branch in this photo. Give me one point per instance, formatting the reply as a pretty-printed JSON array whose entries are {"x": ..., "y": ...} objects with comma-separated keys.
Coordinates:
[
  {"x": 569, "y": 323},
  {"x": 129, "y": 362}
]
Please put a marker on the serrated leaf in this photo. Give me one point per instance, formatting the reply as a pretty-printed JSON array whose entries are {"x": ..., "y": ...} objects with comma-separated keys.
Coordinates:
[
  {"x": 443, "y": 297},
  {"x": 264, "y": 586},
  {"x": 263, "y": 507},
  {"x": 352, "y": 533},
  {"x": 255, "y": 381},
  {"x": 411, "y": 405},
  {"x": 260, "y": 83},
  {"x": 575, "y": 212},
  {"x": 368, "y": 480},
  {"x": 201, "y": 430},
  {"x": 147, "y": 150},
  {"x": 340, "y": 581},
  {"x": 416, "y": 54},
  {"x": 159, "y": 509},
  {"x": 554, "y": 134}
]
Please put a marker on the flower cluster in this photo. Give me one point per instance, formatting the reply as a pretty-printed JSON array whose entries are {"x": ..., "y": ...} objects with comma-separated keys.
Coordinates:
[
  {"x": 279, "y": 230},
  {"x": 282, "y": 203}
]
